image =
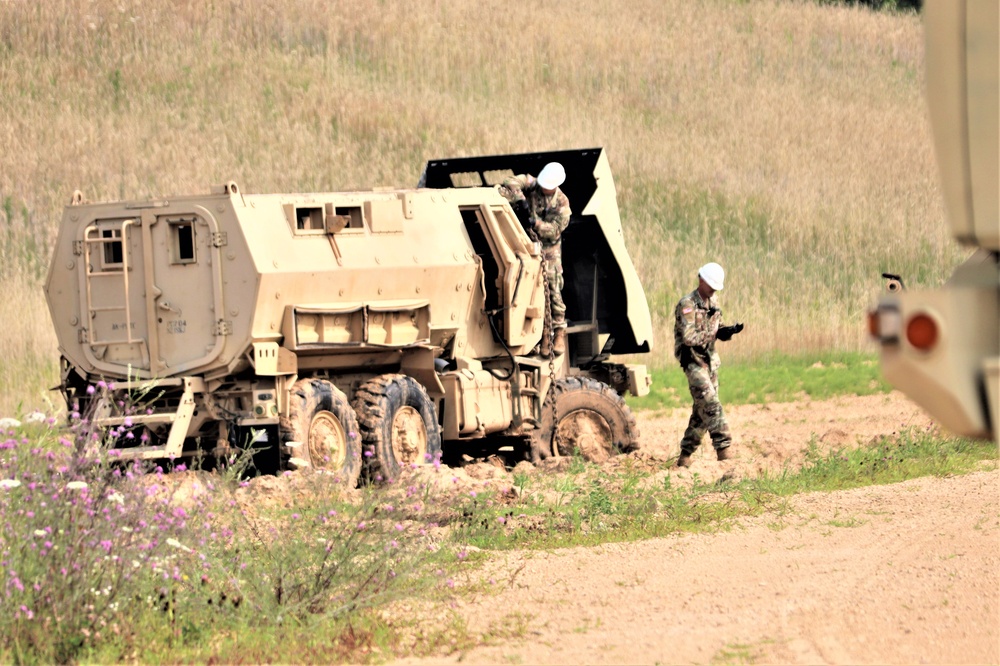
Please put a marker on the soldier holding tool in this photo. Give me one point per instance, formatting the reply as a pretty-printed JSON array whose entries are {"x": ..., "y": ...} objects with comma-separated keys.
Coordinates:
[{"x": 697, "y": 325}]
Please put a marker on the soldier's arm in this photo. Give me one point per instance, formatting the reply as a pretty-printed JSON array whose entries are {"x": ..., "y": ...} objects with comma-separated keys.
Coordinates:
[
  {"x": 551, "y": 228},
  {"x": 512, "y": 187}
]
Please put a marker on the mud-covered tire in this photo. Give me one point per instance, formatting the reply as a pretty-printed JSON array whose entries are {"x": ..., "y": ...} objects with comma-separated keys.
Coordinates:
[
  {"x": 399, "y": 426},
  {"x": 325, "y": 426},
  {"x": 585, "y": 417}
]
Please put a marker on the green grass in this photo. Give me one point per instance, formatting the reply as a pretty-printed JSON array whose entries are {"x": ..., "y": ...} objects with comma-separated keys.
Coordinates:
[
  {"x": 773, "y": 378},
  {"x": 739, "y": 653},
  {"x": 597, "y": 507},
  {"x": 911, "y": 454}
]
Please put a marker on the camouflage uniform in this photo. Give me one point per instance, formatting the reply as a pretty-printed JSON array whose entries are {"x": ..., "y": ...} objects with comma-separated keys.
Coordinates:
[
  {"x": 697, "y": 323},
  {"x": 550, "y": 217}
]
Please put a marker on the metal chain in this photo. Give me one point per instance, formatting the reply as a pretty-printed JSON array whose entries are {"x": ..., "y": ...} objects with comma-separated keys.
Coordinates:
[
  {"x": 548, "y": 331},
  {"x": 547, "y": 328}
]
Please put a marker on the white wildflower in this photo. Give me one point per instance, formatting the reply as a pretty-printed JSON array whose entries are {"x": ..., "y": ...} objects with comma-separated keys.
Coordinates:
[
  {"x": 8, "y": 422},
  {"x": 35, "y": 417},
  {"x": 40, "y": 533},
  {"x": 9, "y": 483},
  {"x": 76, "y": 485},
  {"x": 174, "y": 543},
  {"x": 116, "y": 497}
]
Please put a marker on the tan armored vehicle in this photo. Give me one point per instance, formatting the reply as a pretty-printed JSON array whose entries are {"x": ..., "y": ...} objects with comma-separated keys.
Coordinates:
[
  {"x": 942, "y": 348},
  {"x": 332, "y": 329}
]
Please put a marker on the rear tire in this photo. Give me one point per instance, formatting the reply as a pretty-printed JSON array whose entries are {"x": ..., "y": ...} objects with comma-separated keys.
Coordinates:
[
  {"x": 588, "y": 418},
  {"x": 322, "y": 422},
  {"x": 399, "y": 425}
]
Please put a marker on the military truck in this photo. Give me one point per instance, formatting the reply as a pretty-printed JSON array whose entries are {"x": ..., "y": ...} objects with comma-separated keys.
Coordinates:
[
  {"x": 942, "y": 347},
  {"x": 350, "y": 330}
]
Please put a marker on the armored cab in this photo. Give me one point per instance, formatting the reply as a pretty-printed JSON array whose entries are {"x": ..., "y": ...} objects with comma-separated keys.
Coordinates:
[
  {"x": 942, "y": 347},
  {"x": 331, "y": 326}
]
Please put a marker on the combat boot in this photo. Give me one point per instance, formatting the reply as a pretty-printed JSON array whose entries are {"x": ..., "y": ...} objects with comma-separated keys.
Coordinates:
[
  {"x": 545, "y": 347},
  {"x": 725, "y": 453},
  {"x": 684, "y": 460},
  {"x": 559, "y": 344}
]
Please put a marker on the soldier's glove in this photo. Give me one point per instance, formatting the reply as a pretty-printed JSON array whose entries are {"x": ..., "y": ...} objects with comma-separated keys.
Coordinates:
[
  {"x": 522, "y": 212},
  {"x": 727, "y": 332}
]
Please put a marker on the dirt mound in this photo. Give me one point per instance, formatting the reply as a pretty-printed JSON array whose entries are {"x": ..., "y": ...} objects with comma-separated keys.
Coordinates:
[{"x": 767, "y": 438}]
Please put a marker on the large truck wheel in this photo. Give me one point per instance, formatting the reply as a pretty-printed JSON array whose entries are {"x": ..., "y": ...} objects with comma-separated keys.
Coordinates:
[
  {"x": 321, "y": 420},
  {"x": 585, "y": 417},
  {"x": 399, "y": 425}
]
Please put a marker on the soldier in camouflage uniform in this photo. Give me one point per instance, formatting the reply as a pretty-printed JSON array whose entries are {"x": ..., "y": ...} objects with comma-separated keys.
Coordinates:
[
  {"x": 548, "y": 213},
  {"x": 697, "y": 325}
]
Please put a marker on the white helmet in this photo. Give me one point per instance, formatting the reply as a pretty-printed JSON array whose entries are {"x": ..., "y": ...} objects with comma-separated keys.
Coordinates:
[
  {"x": 551, "y": 176},
  {"x": 713, "y": 274}
]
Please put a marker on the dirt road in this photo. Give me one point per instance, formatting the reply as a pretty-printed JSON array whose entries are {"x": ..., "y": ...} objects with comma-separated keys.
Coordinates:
[{"x": 901, "y": 574}]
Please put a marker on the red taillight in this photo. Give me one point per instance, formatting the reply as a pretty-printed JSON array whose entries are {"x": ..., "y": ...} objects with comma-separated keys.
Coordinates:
[{"x": 922, "y": 332}]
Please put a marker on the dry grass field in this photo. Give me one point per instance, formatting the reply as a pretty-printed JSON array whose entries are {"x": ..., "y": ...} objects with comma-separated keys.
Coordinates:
[{"x": 786, "y": 140}]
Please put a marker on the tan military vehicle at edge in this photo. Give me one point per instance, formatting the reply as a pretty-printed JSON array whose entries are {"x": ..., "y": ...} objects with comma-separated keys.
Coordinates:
[
  {"x": 942, "y": 347},
  {"x": 332, "y": 329}
]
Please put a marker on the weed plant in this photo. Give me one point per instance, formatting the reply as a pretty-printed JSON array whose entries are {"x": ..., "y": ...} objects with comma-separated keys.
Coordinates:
[
  {"x": 104, "y": 559},
  {"x": 913, "y": 453}
]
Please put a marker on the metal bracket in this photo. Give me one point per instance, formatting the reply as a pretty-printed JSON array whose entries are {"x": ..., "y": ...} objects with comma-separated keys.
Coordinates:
[
  {"x": 220, "y": 239},
  {"x": 223, "y": 327}
]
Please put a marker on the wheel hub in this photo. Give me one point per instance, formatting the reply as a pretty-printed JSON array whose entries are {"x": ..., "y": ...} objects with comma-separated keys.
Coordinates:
[
  {"x": 327, "y": 441},
  {"x": 409, "y": 438},
  {"x": 586, "y": 433}
]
